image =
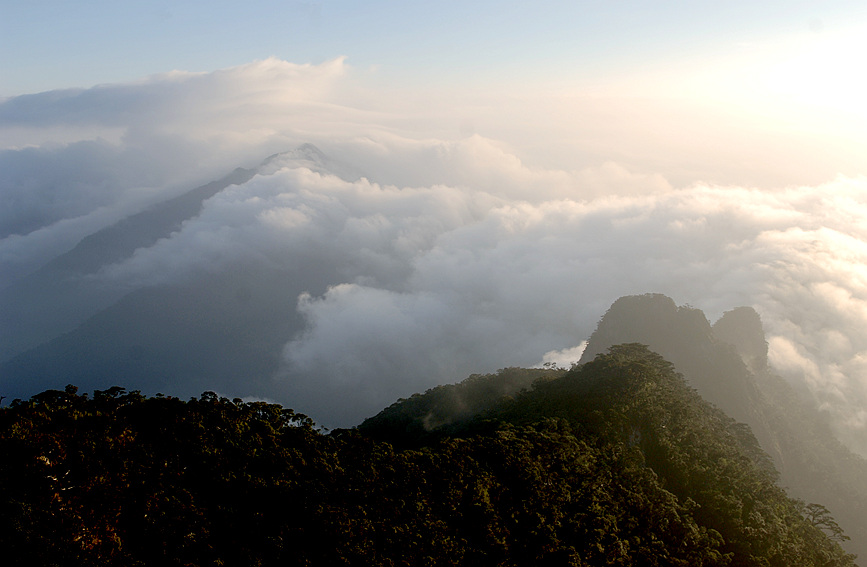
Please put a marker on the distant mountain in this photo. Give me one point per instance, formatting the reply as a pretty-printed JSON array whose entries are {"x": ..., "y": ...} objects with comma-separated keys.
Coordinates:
[
  {"x": 616, "y": 462},
  {"x": 58, "y": 325},
  {"x": 727, "y": 364},
  {"x": 683, "y": 336},
  {"x": 58, "y": 297}
]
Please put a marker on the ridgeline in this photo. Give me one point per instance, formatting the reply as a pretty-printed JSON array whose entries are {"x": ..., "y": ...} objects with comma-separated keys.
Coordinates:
[{"x": 617, "y": 461}]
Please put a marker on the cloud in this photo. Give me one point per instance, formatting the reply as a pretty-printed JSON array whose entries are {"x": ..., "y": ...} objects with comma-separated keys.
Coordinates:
[
  {"x": 430, "y": 255},
  {"x": 524, "y": 279},
  {"x": 86, "y": 157},
  {"x": 563, "y": 358},
  {"x": 244, "y": 91},
  {"x": 432, "y": 283},
  {"x": 67, "y": 153}
]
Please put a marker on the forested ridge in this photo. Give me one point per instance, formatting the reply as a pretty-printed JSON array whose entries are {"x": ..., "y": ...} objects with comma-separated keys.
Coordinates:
[
  {"x": 615, "y": 462},
  {"x": 727, "y": 364}
]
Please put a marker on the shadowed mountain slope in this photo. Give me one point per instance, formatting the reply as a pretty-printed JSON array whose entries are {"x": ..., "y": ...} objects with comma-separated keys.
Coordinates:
[
  {"x": 62, "y": 325},
  {"x": 727, "y": 364},
  {"x": 59, "y": 296}
]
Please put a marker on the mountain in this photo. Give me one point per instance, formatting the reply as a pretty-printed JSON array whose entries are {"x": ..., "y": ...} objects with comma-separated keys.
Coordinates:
[
  {"x": 616, "y": 462},
  {"x": 59, "y": 296},
  {"x": 683, "y": 336},
  {"x": 727, "y": 364},
  {"x": 61, "y": 325}
]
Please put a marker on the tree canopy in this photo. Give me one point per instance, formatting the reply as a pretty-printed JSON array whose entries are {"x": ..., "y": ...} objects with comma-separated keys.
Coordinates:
[{"x": 616, "y": 462}]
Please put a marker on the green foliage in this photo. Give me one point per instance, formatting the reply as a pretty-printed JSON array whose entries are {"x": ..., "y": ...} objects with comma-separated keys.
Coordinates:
[
  {"x": 445, "y": 408},
  {"x": 615, "y": 463}
]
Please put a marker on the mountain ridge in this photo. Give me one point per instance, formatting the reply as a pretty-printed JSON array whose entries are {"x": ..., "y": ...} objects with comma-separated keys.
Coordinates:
[
  {"x": 727, "y": 364},
  {"x": 813, "y": 465},
  {"x": 615, "y": 462},
  {"x": 59, "y": 296}
]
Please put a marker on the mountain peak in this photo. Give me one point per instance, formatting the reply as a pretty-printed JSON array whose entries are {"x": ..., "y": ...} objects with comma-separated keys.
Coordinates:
[
  {"x": 311, "y": 157},
  {"x": 742, "y": 328},
  {"x": 684, "y": 336},
  {"x": 652, "y": 318}
]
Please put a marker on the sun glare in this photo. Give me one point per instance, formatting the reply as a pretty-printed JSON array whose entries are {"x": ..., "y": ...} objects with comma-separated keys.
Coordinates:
[
  {"x": 813, "y": 79},
  {"x": 825, "y": 73}
]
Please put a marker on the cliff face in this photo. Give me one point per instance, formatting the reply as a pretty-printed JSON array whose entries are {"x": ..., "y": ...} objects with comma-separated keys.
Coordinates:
[
  {"x": 683, "y": 336},
  {"x": 742, "y": 328},
  {"x": 727, "y": 363}
]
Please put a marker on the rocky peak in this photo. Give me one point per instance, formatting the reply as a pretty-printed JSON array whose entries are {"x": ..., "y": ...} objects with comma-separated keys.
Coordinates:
[{"x": 742, "y": 328}]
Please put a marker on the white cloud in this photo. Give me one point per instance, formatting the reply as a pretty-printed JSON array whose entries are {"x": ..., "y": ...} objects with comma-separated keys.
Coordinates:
[
  {"x": 563, "y": 358},
  {"x": 449, "y": 254},
  {"x": 87, "y": 156},
  {"x": 525, "y": 278},
  {"x": 435, "y": 282}
]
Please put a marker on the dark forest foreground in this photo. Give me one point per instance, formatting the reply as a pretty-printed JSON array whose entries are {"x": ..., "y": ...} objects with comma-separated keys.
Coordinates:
[{"x": 616, "y": 462}]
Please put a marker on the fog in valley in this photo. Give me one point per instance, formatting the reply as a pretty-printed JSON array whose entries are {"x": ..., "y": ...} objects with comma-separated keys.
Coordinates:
[{"x": 390, "y": 233}]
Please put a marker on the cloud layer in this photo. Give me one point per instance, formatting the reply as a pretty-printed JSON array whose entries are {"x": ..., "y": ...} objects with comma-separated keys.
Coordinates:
[
  {"x": 447, "y": 255},
  {"x": 441, "y": 281}
]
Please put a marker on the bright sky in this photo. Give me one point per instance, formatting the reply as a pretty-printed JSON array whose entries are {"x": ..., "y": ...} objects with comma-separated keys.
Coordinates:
[
  {"x": 49, "y": 44},
  {"x": 785, "y": 73}
]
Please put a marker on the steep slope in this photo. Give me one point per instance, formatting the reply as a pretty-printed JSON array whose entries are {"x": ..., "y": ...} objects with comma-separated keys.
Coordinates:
[
  {"x": 634, "y": 397},
  {"x": 814, "y": 466},
  {"x": 727, "y": 365},
  {"x": 183, "y": 337},
  {"x": 59, "y": 296}
]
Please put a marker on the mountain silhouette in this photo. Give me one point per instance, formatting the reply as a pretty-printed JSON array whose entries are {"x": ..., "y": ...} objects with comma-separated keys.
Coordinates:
[
  {"x": 614, "y": 462},
  {"x": 60, "y": 324},
  {"x": 727, "y": 363}
]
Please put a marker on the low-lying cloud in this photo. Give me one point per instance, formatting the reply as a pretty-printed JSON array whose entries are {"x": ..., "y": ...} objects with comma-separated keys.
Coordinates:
[
  {"x": 447, "y": 256},
  {"x": 438, "y": 282}
]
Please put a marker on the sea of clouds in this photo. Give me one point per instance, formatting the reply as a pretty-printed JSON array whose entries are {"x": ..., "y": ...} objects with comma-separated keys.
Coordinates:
[{"x": 455, "y": 253}]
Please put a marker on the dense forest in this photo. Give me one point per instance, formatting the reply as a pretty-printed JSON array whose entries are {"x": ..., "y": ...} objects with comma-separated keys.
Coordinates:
[{"x": 614, "y": 462}]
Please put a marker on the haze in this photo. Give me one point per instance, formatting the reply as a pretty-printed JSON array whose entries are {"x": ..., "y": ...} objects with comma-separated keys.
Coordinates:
[{"x": 492, "y": 177}]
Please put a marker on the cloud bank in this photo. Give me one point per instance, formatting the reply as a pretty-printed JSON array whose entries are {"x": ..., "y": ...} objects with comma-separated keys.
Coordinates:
[
  {"x": 447, "y": 255},
  {"x": 441, "y": 281}
]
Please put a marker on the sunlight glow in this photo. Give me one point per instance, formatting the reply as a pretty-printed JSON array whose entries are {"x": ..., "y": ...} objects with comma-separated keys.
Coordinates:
[{"x": 826, "y": 72}]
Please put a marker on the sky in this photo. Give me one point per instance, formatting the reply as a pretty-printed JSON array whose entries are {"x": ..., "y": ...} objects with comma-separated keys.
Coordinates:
[
  {"x": 57, "y": 44},
  {"x": 501, "y": 172},
  {"x": 536, "y": 75}
]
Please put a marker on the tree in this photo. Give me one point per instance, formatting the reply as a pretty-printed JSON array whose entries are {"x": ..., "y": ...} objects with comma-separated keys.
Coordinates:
[{"x": 819, "y": 517}]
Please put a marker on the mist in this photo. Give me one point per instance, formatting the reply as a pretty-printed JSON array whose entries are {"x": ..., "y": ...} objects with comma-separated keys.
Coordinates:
[{"x": 439, "y": 235}]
